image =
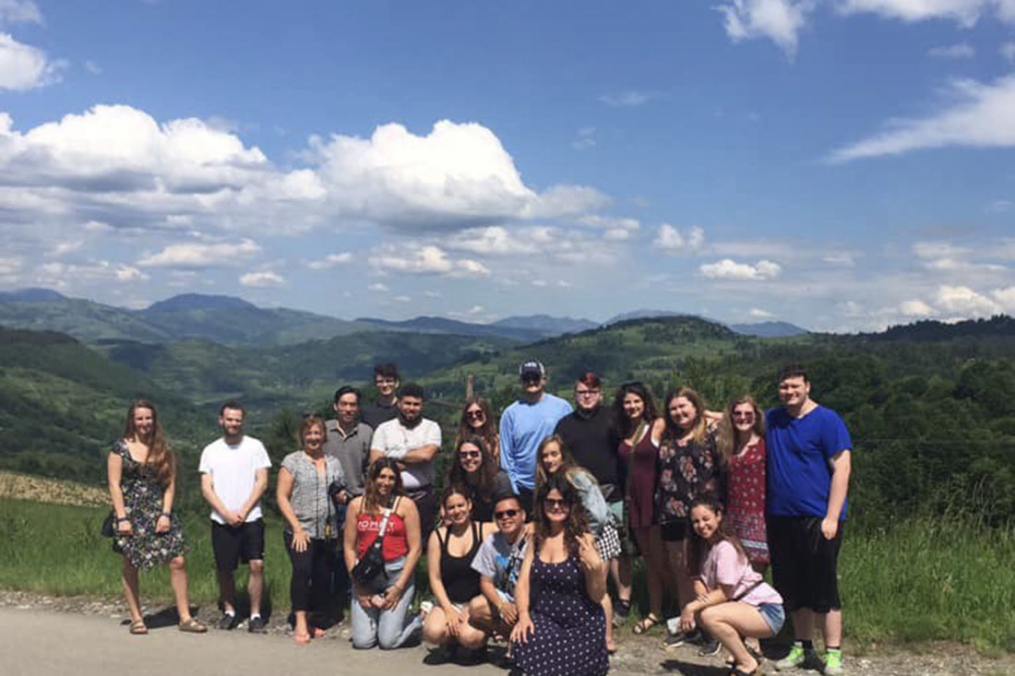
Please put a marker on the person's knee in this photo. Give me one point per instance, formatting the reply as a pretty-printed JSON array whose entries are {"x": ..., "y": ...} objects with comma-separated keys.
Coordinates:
[
  {"x": 472, "y": 638},
  {"x": 708, "y": 618},
  {"x": 434, "y": 632},
  {"x": 363, "y": 642},
  {"x": 177, "y": 563},
  {"x": 257, "y": 566}
]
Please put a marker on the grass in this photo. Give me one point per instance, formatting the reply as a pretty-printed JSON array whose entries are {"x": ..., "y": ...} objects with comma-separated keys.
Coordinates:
[{"x": 914, "y": 580}]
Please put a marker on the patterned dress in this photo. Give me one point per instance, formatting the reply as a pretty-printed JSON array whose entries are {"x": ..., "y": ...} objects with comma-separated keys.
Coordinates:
[
  {"x": 142, "y": 499},
  {"x": 686, "y": 472},
  {"x": 570, "y": 629},
  {"x": 746, "y": 509}
]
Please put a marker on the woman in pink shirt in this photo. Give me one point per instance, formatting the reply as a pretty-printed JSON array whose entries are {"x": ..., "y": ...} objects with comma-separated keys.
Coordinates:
[{"x": 732, "y": 598}]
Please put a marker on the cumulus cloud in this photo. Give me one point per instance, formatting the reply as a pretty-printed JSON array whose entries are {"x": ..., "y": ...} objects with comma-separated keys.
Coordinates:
[
  {"x": 494, "y": 240},
  {"x": 1005, "y": 298},
  {"x": 960, "y": 50},
  {"x": 727, "y": 268},
  {"x": 19, "y": 11},
  {"x": 977, "y": 115},
  {"x": 778, "y": 20},
  {"x": 262, "y": 279},
  {"x": 670, "y": 240},
  {"x": 915, "y": 308},
  {"x": 25, "y": 67},
  {"x": 964, "y": 12},
  {"x": 201, "y": 255},
  {"x": 425, "y": 260},
  {"x": 964, "y": 301},
  {"x": 62, "y": 275},
  {"x": 330, "y": 261}
]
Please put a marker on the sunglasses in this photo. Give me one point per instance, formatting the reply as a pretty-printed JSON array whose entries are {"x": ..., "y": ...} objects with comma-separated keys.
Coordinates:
[
  {"x": 587, "y": 393},
  {"x": 532, "y": 378},
  {"x": 555, "y": 503},
  {"x": 477, "y": 413},
  {"x": 469, "y": 454},
  {"x": 506, "y": 514},
  {"x": 743, "y": 416}
]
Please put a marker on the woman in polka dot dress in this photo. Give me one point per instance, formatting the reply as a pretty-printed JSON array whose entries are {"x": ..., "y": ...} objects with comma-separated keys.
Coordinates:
[
  {"x": 561, "y": 626},
  {"x": 741, "y": 441}
]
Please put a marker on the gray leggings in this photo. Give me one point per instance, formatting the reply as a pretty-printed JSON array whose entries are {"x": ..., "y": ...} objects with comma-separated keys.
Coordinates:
[{"x": 386, "y": 628}]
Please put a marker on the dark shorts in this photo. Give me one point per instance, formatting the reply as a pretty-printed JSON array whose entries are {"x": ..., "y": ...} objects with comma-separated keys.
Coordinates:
[
  {"x": 233, "y": 544},
  {"x": 673, "y": 531},
  {"x": 426, "y": 505},
  {"x": 804, "y": 563}
]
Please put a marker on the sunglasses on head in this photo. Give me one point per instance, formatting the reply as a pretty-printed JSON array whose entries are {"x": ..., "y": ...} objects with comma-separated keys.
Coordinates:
[{"x": 506, "y": 514}]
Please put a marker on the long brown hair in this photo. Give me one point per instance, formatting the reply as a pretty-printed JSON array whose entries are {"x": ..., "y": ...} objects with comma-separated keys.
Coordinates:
[
  {"x": 726, "y": 433},
  {"x": 371, "y": 502},
  {"x": 697, "y": 548},
  {"x": 577, "y": 523},
  {"x": 700, "y": 428},
  {"x": 160, "y": 457},
  {"x": 488, "y": 431},
  {"x": 487, "y": 479},
  {"x": 624, "y": 425}
]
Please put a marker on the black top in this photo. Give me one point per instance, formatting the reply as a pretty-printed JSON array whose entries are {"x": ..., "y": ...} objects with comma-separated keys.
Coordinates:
[
  {"x": 593, "y": 444},
  {"x": 461, "y": 582},
  {"x": 378, "y": 412},
  {"x": 482, "y": 505}
]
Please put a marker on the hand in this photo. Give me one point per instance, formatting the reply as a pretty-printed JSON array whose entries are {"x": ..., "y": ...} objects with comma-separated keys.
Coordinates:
[
  {"x": 829, "y": 527},
  {"x": 301, "y": 541},
  {"x": 162, "y": 525},
  {"x": 236, "y": 518},
  {"x": 391, "y": 597},
  {"x": 687, "y": 619},
  {"x": 453, "y": 621},
  {"x": 588, "y": 554},
  {"x": 366, "y": 600},
  {"x": 341, "y": 497},
  {"x": 123, "y": 528},
  {"x": 509, "y": 613},
  {"x": 522, "y": 630}
]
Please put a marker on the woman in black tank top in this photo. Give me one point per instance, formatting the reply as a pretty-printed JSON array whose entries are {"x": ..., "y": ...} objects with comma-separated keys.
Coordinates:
[{"x": 452, "y": 580}]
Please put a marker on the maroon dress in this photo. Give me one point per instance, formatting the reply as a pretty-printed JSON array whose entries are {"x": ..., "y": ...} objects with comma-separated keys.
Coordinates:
[
  {"x": 641, "y": 465},
  {"x": 747, "y": 501}
]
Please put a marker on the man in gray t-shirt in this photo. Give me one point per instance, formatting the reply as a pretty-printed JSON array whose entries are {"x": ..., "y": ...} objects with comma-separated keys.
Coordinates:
[{"x": 498, "y": 562}]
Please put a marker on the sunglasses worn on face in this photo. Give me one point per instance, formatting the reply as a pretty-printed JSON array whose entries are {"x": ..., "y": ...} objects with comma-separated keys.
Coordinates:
[
  {"x": 555, "y": 502},
  {"x": 469, "y": 454},
  {"x": 743, "y": 416},
  {"x": 506, "y": 514},
  {"x": 475, "y": 414}
]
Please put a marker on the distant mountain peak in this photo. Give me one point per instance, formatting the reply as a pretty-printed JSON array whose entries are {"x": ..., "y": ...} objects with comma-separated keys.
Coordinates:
[
  {"x": 31, "y": 295},
  {"x": 200, "y": 301}
]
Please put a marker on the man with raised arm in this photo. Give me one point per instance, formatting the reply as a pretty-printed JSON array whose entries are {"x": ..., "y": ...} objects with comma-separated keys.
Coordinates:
[
  {"x": 809, "y": 449},
  {"x": 234, "y": 475},
  {"x": 524, "y": 425},
  {"x": 413, "y": 441}
]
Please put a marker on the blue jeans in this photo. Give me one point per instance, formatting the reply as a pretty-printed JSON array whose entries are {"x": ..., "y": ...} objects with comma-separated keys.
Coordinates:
[{"x": 386, "y": 628}]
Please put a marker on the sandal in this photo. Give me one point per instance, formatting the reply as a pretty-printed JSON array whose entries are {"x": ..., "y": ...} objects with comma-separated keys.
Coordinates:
[
  {"x": 646, "y": 623},
  {"x": 138, "y": 628},
  {"x": 192, "y": 626},
  {"x": 740, "y": 672}
]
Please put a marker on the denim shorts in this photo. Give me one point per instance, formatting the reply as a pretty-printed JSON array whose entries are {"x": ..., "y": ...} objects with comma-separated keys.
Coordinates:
[{"x": 774, "y": 616}]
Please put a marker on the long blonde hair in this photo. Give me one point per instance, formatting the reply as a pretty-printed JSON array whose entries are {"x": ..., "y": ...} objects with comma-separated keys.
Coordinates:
[
  {"x": 726, "y": 434},
  {"x": 160, "y": 457}
]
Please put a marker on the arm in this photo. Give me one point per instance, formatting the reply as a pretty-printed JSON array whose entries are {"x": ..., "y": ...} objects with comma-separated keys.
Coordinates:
[
  {"x": 524, "y": 628},
  {"x": 421, "y": 455},
  {"x": 841, "y": 467},
  {"x": 410, "y": 515},
  {"x": 283, "y": 492},
  {"x": 164, "y": 521},
  {"x": 657, "y": 429},
  {"x": 260, "y": 485},
  {"x": 705, "y": 598},
  {"x": 594, "y": 568},
  {"x": 114, "y": 472},
  {"x": 349, "y": 537},
  {"x": 212, "y": 498},
  {"x": 507, "y": 453}
]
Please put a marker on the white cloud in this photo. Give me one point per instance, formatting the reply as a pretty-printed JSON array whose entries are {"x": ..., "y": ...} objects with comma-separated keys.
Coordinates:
[
  {"x": 65, "y": 247},
  {"x": 330, "y": 261},
  {"x": 426, "y": 260},
  {"x": 586, "y": 139},
  {"x": 1005, "y": 298},
  {"x": 1007, "y": 51},
  {"x": 19, "y": 11},
  {"x": 841, "y": 259},
  {"x": 979, "y": 115},
  {"x": 432, "y": 294},
  {"x": 670, "y": 240},
  {"x": 128, "y": 273},
  {"x": 915, "y": 308},
  {"x": 962, "y": 300},
  {"x": 727, "y": 268},
  {"x": 402, "y": 299},
  {"x": 778, "y": 20},
  {"x": 758, "y": 313},
  {"x": 199, "y": 255},
  {"x": 1000, "y": 206},
  {"x": 964, "y": 12},
  {"x": 97, "y": 226},
  {"x": 939, "y": 249},
  {"x": 628, "y": 99},
  {"x": 25, "y": 67},
  {"x": 960, "y": 50},
  {"x": 377, "y": 288},
  {"x": 493, "y": 240},
  {"x": 10, "y": 266},
  {"x": 63, "y": 275},
  {"x": 262, "y": 279}
]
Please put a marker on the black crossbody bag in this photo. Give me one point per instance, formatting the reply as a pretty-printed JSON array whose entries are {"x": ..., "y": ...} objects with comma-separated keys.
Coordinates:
[{"x": 372, "y": 563}]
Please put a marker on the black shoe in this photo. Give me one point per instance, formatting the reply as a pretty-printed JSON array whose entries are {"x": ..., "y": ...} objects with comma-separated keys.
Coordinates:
[
  {"x": 226, "y": 622},
  {"x": 621, "y": 611},
  {"x": 709, "y": 647},
  {"x": 256, "y": 625},
  {"x": 681, "y": 638}
]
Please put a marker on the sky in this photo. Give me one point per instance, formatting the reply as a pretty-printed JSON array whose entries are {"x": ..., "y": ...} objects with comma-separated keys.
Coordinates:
[{"x": 844, "y": 165}]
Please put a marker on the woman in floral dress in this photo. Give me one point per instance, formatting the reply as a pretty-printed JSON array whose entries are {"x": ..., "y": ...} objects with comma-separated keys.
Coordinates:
[{"x": 142, "y": 481}]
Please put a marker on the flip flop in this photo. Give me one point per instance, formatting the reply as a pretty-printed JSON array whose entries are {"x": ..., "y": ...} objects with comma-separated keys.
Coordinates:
[{"x": 138, "y": 628}]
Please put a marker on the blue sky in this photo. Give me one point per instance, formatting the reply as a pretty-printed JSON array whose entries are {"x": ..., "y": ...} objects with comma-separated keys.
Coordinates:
[{"x": 841, "y": 164}]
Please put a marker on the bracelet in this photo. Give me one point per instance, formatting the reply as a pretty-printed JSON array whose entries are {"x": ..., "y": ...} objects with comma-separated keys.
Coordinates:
[
  {"x": 167, "y": 515},
  {"x": 122, "y": 519}
]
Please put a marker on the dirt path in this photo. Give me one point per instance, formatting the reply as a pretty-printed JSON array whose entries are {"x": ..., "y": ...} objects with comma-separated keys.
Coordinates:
[{"x": 43, "y": 636}]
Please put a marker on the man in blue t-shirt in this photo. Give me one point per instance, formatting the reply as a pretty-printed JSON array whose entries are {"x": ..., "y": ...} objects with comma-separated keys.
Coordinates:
[
  {"x": 809, "y": 451},
  {"x": 523, "y": 426}
]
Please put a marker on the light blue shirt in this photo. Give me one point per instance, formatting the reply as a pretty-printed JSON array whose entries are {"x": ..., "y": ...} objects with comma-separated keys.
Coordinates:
[{"x": 522, "y": 428}]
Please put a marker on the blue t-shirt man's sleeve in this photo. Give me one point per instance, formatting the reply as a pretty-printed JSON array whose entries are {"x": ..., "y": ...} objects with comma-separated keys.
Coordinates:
[{"x": 507, "y": 443}]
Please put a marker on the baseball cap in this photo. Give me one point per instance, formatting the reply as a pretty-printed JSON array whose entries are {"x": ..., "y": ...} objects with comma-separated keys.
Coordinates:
[{"x": 531, "y": 367}]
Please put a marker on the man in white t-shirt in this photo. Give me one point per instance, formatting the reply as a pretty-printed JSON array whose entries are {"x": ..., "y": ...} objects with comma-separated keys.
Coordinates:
[
  {"x": 234, "y": 475},
  {"x": 413, "y": 441}
]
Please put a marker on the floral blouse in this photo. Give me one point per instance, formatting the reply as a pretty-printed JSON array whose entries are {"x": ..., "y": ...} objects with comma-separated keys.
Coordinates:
[{"x": 686, "y": 471}]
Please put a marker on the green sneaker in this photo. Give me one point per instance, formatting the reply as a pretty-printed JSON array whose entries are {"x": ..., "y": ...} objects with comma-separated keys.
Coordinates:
[
  {"x": 833, "y": 663},
  {"x": 796, "y": 658}
]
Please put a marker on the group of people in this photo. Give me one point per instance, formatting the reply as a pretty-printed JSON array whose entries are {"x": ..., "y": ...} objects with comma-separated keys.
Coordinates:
[{"x": 535, "y": 515}]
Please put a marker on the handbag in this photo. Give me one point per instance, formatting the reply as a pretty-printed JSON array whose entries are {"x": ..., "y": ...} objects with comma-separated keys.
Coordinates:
[
  {"x": 372, "y": 563},
  {"x": 109, "y": 525}
]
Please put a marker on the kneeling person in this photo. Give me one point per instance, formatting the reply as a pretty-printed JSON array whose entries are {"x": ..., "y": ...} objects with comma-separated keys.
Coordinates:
[{"x": 498, "y": 563}]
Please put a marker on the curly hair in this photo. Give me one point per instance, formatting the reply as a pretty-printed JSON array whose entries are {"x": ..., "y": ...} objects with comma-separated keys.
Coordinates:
[
  {"x": 624, "y": 425},
  {"x": 160, "y": 457},
  {"x": 577, "y": 523}
]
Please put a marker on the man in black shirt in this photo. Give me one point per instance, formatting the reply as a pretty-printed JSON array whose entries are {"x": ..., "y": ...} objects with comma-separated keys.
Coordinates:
[
  {"x": 589, "y": 436},
  {"x": 383, "y": 409}
]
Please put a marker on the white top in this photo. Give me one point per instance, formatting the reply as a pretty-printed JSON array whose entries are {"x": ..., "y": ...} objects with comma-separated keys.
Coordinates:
[
  {"x": 233, "y": 470},
  {"x": 395, "y": 440}
]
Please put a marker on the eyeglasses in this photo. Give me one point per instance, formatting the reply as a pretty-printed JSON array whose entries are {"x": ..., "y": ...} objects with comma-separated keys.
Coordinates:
[
  {"x": 469, "y": 454},
  {"x": 475, "y": 413},
  {"x": 556, "y": 503},
  {"x": 506, "y": 514},
  {"x": 749, "y": 415},
  {"x": 587, "y": 393}
]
